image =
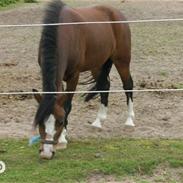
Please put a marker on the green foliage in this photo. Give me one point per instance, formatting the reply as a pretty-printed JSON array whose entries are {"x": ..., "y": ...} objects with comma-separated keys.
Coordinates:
[
  {"x": 4, "y": 3},
  {"x": 30, "y": 1},
  {"x": 178, "y": 86}
]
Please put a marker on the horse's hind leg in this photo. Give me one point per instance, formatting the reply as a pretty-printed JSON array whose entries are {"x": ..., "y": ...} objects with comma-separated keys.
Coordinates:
[
  {"x": 124, "y": 72},
  {"x": 103, "y": 84}
]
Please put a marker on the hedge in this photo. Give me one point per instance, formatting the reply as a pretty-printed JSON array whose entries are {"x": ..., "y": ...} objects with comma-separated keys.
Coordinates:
[{"x": 7, "y": 2}]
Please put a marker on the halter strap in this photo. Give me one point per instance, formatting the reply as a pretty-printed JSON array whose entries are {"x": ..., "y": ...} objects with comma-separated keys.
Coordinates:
[{"x": 52, "y": 142}]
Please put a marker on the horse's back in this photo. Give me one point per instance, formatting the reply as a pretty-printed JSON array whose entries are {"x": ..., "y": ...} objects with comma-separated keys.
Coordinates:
[
  {"x": 97, "y": 42},
  {"x": 121, "y": 33}
]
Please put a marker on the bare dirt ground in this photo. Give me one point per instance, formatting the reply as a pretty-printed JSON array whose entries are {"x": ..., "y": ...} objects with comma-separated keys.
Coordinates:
[
  {"x": 161, "y": 174},
  {"x": 157, "y": 62}
]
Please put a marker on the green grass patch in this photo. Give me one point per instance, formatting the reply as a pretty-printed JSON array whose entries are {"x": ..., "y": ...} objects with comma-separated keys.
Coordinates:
[
  {"x": 163, "y": 73},
  {"x": 11, "y": 6},
  {"x": 178, "y": 86},
  {"x": 118, "y": 157},
  {"x": 4, "y": 3},
  {"x": 30, "y": 1}
]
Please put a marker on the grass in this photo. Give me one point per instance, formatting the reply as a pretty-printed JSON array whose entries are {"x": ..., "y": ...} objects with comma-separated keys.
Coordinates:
[
  {"x": 15, "y": 4},
  {"x": 12, "y": 5},
  {"x": 7, "y": 2},
  {"x": 117, "y": 157},
  {"x": 179, "y": 86},
  {"x": 163, "y": 73}
]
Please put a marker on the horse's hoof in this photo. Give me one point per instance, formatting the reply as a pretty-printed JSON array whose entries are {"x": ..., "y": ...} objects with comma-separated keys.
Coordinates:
[
  {"x": 98, "y": 127},
  {"x": 128, "y": 129},
  {"x": 129, "y": 123},
  {"x": 61, "y": 146},
  {"x": 47, "y": 156}
]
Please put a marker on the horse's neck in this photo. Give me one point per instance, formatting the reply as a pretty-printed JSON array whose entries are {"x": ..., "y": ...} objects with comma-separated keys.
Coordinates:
[{"x": 59, "y": 85}]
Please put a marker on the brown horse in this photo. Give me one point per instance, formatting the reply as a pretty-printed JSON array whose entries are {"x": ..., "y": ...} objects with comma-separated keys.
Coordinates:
[{"x": 65, "y": 52}]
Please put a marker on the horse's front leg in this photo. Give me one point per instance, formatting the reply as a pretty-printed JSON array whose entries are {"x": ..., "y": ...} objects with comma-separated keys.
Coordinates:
[
  {"x": 71, "y": 86},
  {"x": 62, "y": 142}
]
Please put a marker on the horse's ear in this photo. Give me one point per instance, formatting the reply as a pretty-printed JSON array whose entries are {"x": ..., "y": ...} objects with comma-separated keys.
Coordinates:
[{"x": 37, "y": 96}]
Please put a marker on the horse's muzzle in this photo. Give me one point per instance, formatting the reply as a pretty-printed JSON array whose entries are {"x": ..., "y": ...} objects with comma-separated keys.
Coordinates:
[
  {"x": 46, "y": 155},
  {"x": 47, "y": 151}
]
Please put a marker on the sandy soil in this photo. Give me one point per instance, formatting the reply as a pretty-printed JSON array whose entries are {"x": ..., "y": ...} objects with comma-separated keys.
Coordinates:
[
  {"x": 157, "y": 62},
  {"x": 161, "y": 174}
]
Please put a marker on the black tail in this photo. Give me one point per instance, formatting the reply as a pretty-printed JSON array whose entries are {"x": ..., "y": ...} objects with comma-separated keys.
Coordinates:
[
  {"x": 49, "y": 63},
  {"x": 100, "y": 82}
]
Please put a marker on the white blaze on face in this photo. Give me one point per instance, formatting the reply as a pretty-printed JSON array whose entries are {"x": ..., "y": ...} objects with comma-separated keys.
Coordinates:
[
  {"x": 50, "y": 126},
  {"x": 131, "y": 114},
  {"x": 102, "y": 115},
  {"x": 50, "y": 131}
]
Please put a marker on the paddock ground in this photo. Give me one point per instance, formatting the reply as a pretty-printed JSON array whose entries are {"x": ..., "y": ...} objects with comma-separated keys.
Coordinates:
[{"x": 157, "y": 62}]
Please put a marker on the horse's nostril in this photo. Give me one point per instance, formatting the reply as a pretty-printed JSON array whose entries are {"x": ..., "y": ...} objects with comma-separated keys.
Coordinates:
[
  {"x": 53, "y": 154},
  {"x": 40, "y": 150}
]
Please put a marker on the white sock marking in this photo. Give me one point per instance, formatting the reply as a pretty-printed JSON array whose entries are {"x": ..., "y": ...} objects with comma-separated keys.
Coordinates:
[
  {"x": 101, "y": 115},
  {"x": 62, "y": 138},
  {"x": 50, "y": 131},
  {"x": 131, "y": 114}
]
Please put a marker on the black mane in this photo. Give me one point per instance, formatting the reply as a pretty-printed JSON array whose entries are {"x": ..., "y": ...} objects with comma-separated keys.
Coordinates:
[{"x": 48, "y": 47}]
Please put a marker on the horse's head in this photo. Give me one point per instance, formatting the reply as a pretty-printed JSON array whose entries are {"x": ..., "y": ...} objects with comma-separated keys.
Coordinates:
[{"x": 51, "y": 118}]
